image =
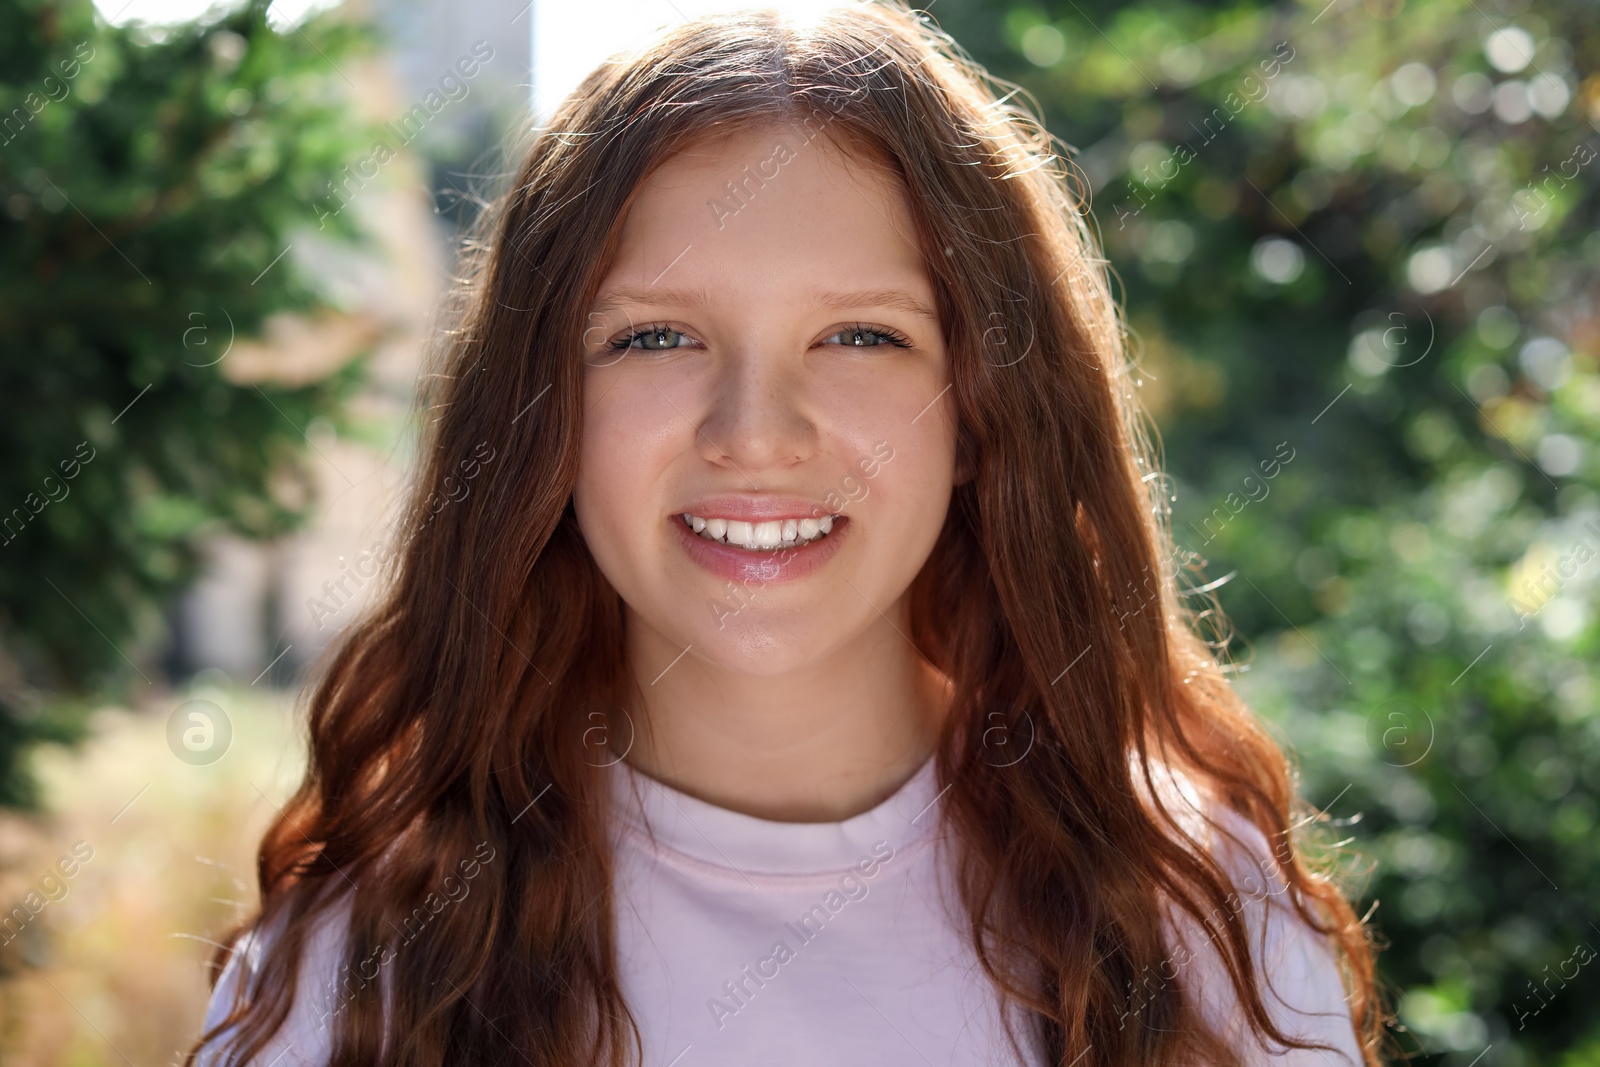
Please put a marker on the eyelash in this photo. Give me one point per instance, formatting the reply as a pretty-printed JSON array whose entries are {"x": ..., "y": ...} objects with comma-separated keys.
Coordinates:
[
  {"x": 625, "y": 342},
  {"x": 895, "y": 338},
  {"x": 892, "y": 338}
]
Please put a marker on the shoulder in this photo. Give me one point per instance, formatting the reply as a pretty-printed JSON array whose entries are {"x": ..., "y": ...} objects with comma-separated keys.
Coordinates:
[
  {"x": 1295, "y": 965},
  {"x": 305, "y": 1039}
]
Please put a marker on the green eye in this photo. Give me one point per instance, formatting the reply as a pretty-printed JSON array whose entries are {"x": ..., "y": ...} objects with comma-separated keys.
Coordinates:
[
  {"x": 859, "y": 336},
  {"x": 652, "y": 339}
]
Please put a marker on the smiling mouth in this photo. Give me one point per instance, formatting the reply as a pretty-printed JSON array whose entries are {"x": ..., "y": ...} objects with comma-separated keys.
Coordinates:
[{"x": 766, "y": 536}]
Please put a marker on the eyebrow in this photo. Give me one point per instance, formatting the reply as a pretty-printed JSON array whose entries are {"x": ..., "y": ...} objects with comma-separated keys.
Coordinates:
[{"x": 657, "y": 296}]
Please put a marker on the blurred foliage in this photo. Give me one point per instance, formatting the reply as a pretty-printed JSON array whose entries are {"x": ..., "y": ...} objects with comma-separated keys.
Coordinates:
[
  {"x": 128, "y": 936},
  {"x": 151, "y": 182},
  {"x": 1379, "y": 256}
]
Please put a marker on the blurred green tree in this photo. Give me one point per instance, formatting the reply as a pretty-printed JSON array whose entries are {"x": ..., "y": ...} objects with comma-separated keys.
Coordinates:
[
  {"x": 151, "y": 182},
  {"x": 1361, "y": 234}
]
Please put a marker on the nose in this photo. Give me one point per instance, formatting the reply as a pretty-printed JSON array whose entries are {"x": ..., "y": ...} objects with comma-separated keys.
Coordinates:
[{"x": 757, "y": 416}]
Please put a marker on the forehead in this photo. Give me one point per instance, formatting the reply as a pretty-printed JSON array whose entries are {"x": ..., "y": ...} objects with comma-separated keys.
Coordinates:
[{"x": 757, "y": 211}]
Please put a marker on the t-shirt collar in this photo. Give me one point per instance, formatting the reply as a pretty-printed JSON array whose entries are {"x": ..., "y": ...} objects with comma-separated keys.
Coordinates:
[{"x": 724, "y": 838}]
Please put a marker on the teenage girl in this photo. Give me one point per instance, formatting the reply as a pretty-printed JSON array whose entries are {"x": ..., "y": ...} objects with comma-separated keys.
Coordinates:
[{"x": 785, "y": 660}]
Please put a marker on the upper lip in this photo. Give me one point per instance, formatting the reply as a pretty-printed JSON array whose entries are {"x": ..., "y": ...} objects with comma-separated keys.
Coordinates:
[{"x": 748, "y": 508}]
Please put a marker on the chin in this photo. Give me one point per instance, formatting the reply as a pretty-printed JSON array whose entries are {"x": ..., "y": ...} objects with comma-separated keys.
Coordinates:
[{"x": 760, "y": 648}]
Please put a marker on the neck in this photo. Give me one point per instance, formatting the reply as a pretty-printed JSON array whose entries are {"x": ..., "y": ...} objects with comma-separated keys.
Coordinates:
[{"x": 818, "y": 742}]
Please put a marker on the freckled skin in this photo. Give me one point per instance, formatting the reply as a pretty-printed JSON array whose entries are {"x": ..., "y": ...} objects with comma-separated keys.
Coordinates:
[{"x": 763, "y": 389}]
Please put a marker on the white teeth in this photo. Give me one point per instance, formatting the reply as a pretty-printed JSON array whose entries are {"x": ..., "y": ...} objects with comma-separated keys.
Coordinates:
[
  {"x": 760, "y": 536},
  {"x": 767, "y": 534}
]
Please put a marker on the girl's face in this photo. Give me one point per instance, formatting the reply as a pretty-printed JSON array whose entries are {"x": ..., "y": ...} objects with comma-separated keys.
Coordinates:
[{"x": 764, "y": 355}]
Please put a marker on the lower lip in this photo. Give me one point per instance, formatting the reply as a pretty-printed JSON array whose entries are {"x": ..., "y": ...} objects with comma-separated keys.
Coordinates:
[{"x": 764, "y": 568}]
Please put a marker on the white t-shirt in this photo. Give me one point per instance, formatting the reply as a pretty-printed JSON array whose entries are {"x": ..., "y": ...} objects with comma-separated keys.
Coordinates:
[{"x": 743, "y": 940}]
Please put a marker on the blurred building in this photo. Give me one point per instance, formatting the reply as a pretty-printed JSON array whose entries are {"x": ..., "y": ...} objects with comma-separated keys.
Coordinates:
[{"x": 266, "y": 612}]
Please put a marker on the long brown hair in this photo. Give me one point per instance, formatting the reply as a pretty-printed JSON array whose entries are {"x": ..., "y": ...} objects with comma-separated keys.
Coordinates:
[{"x": 457, "y": 719}]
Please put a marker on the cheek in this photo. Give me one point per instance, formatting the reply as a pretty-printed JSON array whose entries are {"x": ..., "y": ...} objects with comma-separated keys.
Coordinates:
[
  {"x": 626, "y": 444},
  {"x": 905, "y": 497},
  {"x": 900, "y": 438},
  {"x": 913, "y": 488}
]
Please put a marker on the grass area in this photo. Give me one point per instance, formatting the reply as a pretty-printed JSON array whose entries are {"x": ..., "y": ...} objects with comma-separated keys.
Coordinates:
[{"x": 111, "y": 969}]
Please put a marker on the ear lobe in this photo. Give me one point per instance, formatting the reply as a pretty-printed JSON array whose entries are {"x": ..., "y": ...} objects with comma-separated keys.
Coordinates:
[{"x": 965, "y": 470}]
